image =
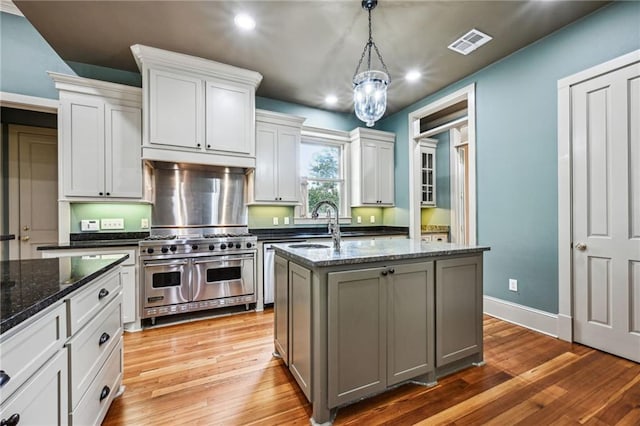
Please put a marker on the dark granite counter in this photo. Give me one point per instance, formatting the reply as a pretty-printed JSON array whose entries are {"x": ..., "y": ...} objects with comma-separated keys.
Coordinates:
[
  {"x": 29, "y": 286},
  {"x": 7, "y": 237},
  {"x": 305, "y": 233},
  {"x": 99, "y": 240},
  {"x": 356, "y": 252}
]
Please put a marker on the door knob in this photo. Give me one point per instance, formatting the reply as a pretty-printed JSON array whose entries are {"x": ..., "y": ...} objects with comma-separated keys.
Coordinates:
[
  {"x": 25, "y": 228},
  {"x": 581, "y": 246},
  {"x": 25, "y": 238}
]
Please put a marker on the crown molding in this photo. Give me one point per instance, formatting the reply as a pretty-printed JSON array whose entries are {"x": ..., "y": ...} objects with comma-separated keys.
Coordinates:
[
  {"x": 7, "y": 6},
  {"x": 378, "y": 135},
  {"x": 146, "y": 56},
  {"x": 266, "y": 116},
  {"x": 31, "y": 103},
  {"x": 88, "y": 86}
]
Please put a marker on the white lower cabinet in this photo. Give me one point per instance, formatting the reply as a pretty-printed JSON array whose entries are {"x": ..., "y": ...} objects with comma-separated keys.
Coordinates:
[{"x": 42, "y": 400}]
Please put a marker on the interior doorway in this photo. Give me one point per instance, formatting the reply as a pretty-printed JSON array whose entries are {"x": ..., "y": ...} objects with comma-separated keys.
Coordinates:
[
  {"x": 453, "y": 114},
  {"x": 33, "y": 189}
]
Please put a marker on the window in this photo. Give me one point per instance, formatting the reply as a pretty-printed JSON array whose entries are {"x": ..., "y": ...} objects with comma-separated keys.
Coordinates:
[{"x": 322, "y": 175}]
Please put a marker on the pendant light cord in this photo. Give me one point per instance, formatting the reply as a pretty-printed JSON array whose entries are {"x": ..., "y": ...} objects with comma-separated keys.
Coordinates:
[{"x": 367, "y": 51}]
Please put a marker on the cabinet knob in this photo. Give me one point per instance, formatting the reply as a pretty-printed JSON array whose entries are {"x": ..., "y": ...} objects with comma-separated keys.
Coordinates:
[
  {"x": 100, "y": 193},
  {"x": 198, "y": 145},
  {"x": 104, "y": 393},
  {"x": 11, "y": 421},
  {"x": 104, "y": 338},
  {"x": 208, "y": 146},
  {"x": 392, "y": 271},
  {"x": 4, "y": 378},
  {"x": 103, "y": 293},
  {"x": 384, "y": 273},
  {"x": 108, "y": 193}
]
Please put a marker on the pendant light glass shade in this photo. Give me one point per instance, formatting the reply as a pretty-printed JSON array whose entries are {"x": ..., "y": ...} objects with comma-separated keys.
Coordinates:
[
  {"x": 370, "y": 86},
  {"x": 370, "y": 95}
]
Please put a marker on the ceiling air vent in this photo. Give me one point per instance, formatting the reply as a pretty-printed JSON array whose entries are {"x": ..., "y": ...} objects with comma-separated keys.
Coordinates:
[{"x": 470, "y": 42}]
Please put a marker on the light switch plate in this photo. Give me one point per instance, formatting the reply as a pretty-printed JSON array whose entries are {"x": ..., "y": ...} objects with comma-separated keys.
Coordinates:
[
  {"x": 90, "y": 225},
  {"x": 144, "y": 223},
  {"x": 286, "y": 220},
  {"x": 275, "y": 220},
  {"x": 112, "y": 223}
]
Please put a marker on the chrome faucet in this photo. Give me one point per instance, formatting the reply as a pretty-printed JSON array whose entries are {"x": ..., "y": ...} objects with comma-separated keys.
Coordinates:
[{"x": 334, "y": 229}]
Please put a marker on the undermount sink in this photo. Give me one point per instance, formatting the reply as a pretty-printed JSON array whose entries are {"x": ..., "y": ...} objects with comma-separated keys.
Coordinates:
[{"x": 308, "y": 246}]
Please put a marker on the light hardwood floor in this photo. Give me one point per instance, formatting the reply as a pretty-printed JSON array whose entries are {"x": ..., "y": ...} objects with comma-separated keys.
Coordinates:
[{"x": 221, "y": 372}]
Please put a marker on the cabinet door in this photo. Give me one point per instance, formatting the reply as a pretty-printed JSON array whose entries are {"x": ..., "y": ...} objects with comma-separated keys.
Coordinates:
[
  {"x": 410, "y": 329},
  {"x": 281, "y": 308},
  {"x": 83, "y": 147},
  {"x": 265, "y": 186},
  {"x": 229, "y": 118},
  {"x": 123, "y": 164},
  {"x": 300, "y": 326},
  {"x": 385, "y": 174},
  {"x": 175, "y": 109},
  {"x": 458, "y": 309},
  {"x": 369, "y": 179},
  {"x": 287, "y": 166},
  {"x": 357, "y": 330},
  {"x": 43, "y": 400}
]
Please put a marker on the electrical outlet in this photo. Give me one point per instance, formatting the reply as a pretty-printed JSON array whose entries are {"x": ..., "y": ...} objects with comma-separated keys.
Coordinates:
[
  {"x": 144, "y": 223},
  {"x": 513, "y": 284},
  {"x": 286, "y": 220},
  {"x": 372, "y": 219},
  {"x": 111, "y": 223},
  {"x": 275, "y": 220},
  {"x": 359, "y": 219}
]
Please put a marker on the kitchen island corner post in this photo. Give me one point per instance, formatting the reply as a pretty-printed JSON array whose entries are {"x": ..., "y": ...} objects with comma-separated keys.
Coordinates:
[{"x": 322, "y": 414}]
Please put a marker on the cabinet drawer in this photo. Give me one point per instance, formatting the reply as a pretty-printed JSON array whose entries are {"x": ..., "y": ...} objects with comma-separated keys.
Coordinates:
[
  {"x": 96, "y": 401},
  {"x": 27, "y": 349},
  {"x": 42, "y": 400},
  {"x": 91, "y": 346},
  {"x": 85, "y": 305}
]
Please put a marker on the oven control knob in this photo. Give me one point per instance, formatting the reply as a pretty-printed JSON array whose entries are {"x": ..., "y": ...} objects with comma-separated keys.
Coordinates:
[
  {"x": 194, "y": 247},
  {"x": 149, "y": 250},
  {"x": 173, "y": 248},
  {"x": 211, "y": 246},
  {"x": 164, "y": 249},
  {"x": 249, "y": 245},
  {"x": 223, "y": 246},
  {"x": 238, "y": 245}
]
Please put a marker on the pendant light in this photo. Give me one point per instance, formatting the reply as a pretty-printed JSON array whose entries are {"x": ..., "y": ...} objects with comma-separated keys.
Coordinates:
[{"x": 370, "y": 86}]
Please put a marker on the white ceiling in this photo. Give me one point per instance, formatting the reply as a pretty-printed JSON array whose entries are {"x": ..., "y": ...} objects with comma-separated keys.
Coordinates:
[{"x": 305, "y": 49}]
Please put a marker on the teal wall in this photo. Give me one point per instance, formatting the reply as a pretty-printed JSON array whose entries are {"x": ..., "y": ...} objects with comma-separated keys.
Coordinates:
[
  {"x": 314, "y": 117},
  {"x": 516, "y": 104}
]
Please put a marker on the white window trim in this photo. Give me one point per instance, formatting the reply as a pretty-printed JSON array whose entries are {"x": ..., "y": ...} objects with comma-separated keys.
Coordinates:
[{"x": 339, "y": 139}]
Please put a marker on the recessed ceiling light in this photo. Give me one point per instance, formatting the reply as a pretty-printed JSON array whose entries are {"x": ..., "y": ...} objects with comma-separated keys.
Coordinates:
[
  {"x": 413, "y": 75},
  {"x": 331, "y": 99},
  {"x": 244, "y": 21}
]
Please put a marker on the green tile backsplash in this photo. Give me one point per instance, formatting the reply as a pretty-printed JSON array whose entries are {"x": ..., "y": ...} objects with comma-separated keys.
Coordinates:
[{"x": 132, "y": 213}]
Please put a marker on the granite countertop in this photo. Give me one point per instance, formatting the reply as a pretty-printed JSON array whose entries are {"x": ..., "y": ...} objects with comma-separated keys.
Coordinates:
[
  {"x": 305, "y": 233},
  {"x": 7, "y": 237},
  {"x": 29, "y": 286},
  {"x": 99, "y": 240},
  {"x": 354, "y": 252}
]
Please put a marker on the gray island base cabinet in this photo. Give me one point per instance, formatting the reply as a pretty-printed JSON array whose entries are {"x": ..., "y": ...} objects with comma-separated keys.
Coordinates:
[{"x": 352, "y": 324}]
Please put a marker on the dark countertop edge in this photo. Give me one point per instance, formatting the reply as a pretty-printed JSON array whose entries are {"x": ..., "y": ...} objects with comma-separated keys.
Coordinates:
[
  {"x": 7, "y": 237},
  {"x": 380, "y": 258},
  {"x": 107, "y": 236},
  {"x": 91, "y": 244},
  {"x": 17, "y": 319},
  {"x": 269, "y": 234}
]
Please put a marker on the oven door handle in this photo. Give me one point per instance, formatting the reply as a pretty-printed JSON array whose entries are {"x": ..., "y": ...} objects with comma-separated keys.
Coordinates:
[
  {"x": 175, "y": 263},
  {"x": 222, "y": 259}
]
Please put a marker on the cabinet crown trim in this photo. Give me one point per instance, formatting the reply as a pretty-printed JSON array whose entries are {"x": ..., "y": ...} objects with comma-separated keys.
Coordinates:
[
  {"x": 378, "y": 135},
  {"x": 431, "y": 143},
  {"x": 271, "y": 117},
  {"x": 150, "y": 56},
  {"x": 88, "y": 86}
]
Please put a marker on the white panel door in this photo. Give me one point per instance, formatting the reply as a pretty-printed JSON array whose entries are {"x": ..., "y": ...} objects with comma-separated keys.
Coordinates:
[
  {"x": 385, "y": 174},
  {"x": 83, "y": 146},
  {"x": 175, "y": 109},
  {"x": 606, "y": 212},
  {"x": 266, "y": 167},
  {"x": 123, "y": 144},
  {"x": 369, "y": 176},
  {"x": 287, "y": 166},
  {"x": 229, "y": 119}
]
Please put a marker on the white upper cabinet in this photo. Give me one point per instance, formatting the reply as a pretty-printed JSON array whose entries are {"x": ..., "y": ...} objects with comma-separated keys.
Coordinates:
[
  {"x": 428, "y": 172},
  {"x": 372, "y": 168},
  {"x": 196, "y": 110},
  {"x": 100, "y": 133},
  {"x": 277, "y": 178}
]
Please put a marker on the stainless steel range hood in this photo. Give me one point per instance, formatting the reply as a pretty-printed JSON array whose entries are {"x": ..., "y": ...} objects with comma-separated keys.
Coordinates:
[{"x": 196, "y": 196}]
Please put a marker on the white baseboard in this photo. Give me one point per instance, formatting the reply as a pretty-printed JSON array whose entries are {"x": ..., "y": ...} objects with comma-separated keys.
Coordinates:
[{"x": 534, "y": 319}]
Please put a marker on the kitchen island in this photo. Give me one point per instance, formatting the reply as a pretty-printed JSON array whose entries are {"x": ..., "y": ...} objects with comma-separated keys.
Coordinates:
[{"x": 354, "y": 323}]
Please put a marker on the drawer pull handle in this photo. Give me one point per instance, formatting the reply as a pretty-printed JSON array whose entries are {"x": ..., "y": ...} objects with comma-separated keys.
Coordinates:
[
  {"x": 104, "y": 338},
  {"x": 4, "y": 378},
  {"x": 11, "y": 421},
  {"x": 103, "y": 293},
  {"x": 105, "y": 393}
]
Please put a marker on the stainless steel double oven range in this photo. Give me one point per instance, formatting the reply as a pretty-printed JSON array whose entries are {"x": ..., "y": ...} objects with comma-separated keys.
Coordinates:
[{"x": 191, "y": 273}]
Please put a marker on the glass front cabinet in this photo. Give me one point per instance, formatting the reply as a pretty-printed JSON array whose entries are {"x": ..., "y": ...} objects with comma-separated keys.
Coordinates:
[{"x": 428, "y": 172}]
